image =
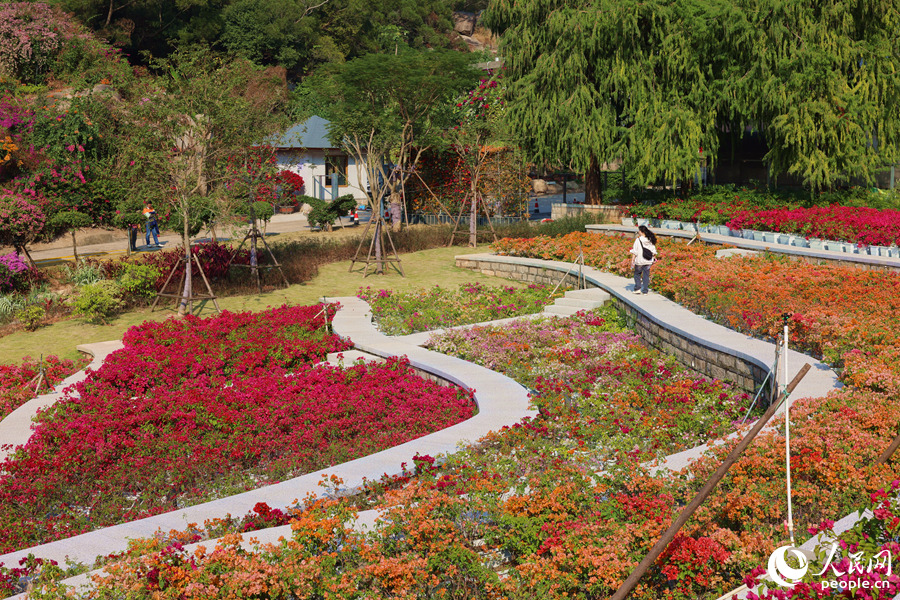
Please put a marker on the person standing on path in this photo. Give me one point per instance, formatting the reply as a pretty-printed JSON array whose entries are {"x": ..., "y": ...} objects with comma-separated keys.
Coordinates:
[
  {"x": 152, "y": 225},
  {"x": 643, "y": 255}
]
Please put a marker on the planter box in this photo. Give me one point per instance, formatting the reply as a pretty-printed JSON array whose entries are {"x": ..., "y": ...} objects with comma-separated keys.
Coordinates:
[
  {"x": 767, "y": 236},
  {"x": 286, "y": 210},
  {"x": 800, "y": 241},
  {"x": 749, "y": 234},
  {"x": 628, "y": 221},
  {"x": 816, "y": 244},
  {"x": 646, "y": 223},
  {"x": 879, "y": 251},
  {"x": 783, "y": 239},
  {"x": 670, "y": 224}
]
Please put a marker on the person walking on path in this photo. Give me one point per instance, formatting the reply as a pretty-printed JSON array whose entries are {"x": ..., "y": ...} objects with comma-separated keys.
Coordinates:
[
  {"x": 643, "y": 255},
  {"x": 152, "y": 225}
]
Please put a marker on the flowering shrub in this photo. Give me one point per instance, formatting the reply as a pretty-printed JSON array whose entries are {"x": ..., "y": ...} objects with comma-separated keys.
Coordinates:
[
  {"x": 20, "y": 220},
  {"x": 193, "y": 408},
  {"x": 214, "y": 257},
  {"x": 851, "y": 224},
  {"x": 403, "y": 313},
  {"x": 858, "y": 560},
  {"x": 14, "y": 380},
  {"x": 589, "y": 364},
  {"x": 28, "y": 39},
  {"x": 15, "y": 274},
  {"x": 292, "y": 185}
]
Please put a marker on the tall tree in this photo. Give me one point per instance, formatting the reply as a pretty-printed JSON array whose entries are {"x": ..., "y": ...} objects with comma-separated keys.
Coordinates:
[
  {"x": 196, "y": 119},
  {"x": 616, "y": 79},
  {"x": 822, "y": 83},
  {"x": 386, "y": 110},
  {"x": 654, "y": 82}
]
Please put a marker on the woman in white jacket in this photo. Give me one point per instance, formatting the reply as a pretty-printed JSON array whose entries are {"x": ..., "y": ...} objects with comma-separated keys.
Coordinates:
[{"x": 644, "y": 253}]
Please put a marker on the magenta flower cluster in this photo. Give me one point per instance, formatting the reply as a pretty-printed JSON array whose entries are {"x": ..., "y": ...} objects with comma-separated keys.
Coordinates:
[
  {"x": 191, "y": 409},
  {"x": 13, "y": 273},
  {"x": 860, "y": 225}
]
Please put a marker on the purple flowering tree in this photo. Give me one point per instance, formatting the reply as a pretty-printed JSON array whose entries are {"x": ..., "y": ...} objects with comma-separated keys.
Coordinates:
[{"x": 21, "y": 222}]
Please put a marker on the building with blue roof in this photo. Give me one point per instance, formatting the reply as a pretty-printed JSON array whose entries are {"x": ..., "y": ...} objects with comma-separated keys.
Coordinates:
[{"x": 328, "y": 171}]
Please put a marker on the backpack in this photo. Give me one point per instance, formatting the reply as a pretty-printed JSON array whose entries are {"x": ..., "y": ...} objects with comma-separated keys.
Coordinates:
[{"x": 648, "y": 255}]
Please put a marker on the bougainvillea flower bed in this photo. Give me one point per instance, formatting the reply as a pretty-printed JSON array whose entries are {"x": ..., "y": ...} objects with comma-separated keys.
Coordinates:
[
  {"x": 524, "y": 514},
  {"x": 844, "y": 314},
  {"x": 17, "y": 384},
  {"x": 879, "y": 227},
  {"x": 195, "y": 409},
  {"x": 591, "y": 364},
  {"x": 399, "y": 313}
]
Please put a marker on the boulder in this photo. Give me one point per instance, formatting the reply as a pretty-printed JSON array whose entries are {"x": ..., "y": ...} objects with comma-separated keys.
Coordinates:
[
  {"x": 554, "y": 188},
  {"x": 464, "y": 22},
  {"x": 539, "y": 186}
]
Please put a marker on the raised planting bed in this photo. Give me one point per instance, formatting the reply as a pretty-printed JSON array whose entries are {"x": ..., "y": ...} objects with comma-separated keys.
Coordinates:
[
  {"x": 857, "y": 225},
  {"x": 558, "y": 506},
  {"x": 401, "y": 313},
  {"x": 591, "y": 364},
  {"x": 196, "y": 409}
]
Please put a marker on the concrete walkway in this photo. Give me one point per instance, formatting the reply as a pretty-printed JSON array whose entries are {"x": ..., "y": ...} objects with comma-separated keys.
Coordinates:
[
  {"x": 115, "y": 242},
  {"x": 843, "y": 258},
  {"x": 15, "y": 429},
  {"x": 818, "y": 382},
  {"x": 501, "y": 402}
]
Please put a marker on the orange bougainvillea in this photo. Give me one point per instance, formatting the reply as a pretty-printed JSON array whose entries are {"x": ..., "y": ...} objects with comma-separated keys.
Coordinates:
[{"x": 543, "y": 510}]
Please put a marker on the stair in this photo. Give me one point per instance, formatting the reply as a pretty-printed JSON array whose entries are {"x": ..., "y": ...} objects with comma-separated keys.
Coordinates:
[{"x": 577, "y": 300}]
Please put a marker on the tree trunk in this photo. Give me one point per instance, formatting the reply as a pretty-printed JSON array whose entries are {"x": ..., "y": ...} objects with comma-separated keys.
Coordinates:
[
  {"x": 593, "y": 184},
  {"x": 28, "y": 258},
  {"x": 74, "y": 247},
  {"x": 379, "y": 264},
  {"x": 186, "y": 306}
]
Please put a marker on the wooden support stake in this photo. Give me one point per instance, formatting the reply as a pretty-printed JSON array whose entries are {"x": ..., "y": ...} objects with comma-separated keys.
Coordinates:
[
  {"x": 886, "y": 456},
  {"x": 704, "y": 492}
]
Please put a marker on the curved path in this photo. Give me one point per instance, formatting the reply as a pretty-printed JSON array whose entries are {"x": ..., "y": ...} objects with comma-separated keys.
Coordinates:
[
  {"x": 501, "y": 402},
  {"x": 663, "y": 312},
  {"x": 15, "y": 429}
]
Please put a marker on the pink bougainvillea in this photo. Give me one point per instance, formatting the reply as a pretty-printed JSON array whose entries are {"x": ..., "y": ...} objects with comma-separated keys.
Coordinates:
[{"x": 190, "y": 408}]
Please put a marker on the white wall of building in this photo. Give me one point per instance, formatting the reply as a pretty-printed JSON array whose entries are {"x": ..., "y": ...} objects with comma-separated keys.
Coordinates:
[{"x": 310, "y": 165}]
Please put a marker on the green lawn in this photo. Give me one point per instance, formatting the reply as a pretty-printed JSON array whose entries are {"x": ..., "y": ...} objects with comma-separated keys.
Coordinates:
[{"x": 423, "y": 269}]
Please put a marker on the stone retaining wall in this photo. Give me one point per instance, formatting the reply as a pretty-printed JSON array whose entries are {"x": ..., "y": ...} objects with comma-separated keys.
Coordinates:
[
  {"x": 609, "y": 213},
  {"x": 700, "y": 359}
]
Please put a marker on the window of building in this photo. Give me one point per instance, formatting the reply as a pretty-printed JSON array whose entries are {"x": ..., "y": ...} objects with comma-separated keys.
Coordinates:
[{"x": 335, "y": 167}]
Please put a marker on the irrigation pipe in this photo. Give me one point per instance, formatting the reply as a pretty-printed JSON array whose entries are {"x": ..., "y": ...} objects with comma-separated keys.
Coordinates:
[{"x": 704, "y": 492}]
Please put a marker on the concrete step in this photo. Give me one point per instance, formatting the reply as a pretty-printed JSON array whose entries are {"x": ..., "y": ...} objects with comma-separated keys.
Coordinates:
[
  {"x": 589, "y": 294},
  {"x": 566, "y": 311},
  {"x": 581, "y": 304}
]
